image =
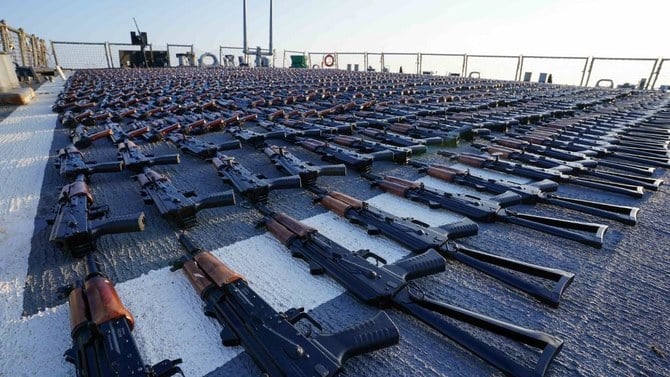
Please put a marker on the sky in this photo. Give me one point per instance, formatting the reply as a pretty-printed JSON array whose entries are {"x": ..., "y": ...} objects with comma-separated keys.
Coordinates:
[
  {"x": 511, "y": 27},
  {"x": 529, "y": 27}
]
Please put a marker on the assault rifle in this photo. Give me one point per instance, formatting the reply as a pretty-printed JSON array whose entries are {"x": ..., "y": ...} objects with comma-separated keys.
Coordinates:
[
  {"x": 329, "y": 153},
  {"x": 119, "y": 134},
  {"x": 71, "y": 163},
  {"x": 584, "y": 167},
  {"x": 570, "y": 156},
  {"x": 291, "y": 165},
  {"x": 603, "y": 151},
  {"x": 537, "y": 192},
  {"x": 416, "y": 145},
  {"x": 270, "y": 337},
  {"x": 197, "y": 147},
  {"x": 419, "y": 237},
  {"x": 379, "y": 151},
  {"x": 177, "y": 205},
  {"x": 254, "y": 187},
  {"x": 76, "y": 223},
  {"x": 159, "y": 134},
  {"x": 495, "y": 163},
  {"x": 101, "y": 330},
  {"x": 387, "y": 286},
  {"x": 82, "y": 139},
  {"x": 490, "y": 210},
  {"x": 135, "y": 160},
  {"x": 448, "y": 138}
]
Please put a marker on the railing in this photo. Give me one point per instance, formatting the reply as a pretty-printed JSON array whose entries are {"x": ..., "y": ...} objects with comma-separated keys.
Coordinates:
[
  {"x": 26, "y": 49},
  {"x": 569, "y": 70}
]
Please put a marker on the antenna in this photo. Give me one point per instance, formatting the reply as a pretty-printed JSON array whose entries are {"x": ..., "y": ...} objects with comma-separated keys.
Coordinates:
[{"x": 141, "y": 40}]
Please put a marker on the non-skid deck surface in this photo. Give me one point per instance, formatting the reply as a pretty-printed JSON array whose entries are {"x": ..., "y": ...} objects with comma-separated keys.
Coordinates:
[{"x": 613, "y": 318}]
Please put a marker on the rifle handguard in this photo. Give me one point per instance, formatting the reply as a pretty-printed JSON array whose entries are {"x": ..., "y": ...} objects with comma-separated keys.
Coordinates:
[
  {"x": 216, "y": 270},
  {"x": 104, "y": 303}
]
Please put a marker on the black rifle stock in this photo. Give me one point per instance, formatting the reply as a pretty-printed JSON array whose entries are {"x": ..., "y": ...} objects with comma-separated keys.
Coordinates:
[
  {"x": 176, "y": 205},
  {"x": 254, "y": 187},
  {"x": 329, "y": 153},
  {"x": 133, "y": 158},
  {"x": 101, "y": 331},
  {"x": 77, "y": 223},
  {"x": 387, "y": 286},
  {"x": 270, "y": 337},
  {"x": 291, "y": 165}
]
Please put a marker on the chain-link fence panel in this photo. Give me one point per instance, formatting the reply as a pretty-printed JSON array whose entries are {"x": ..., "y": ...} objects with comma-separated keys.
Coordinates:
[
  {"x": 442, "y": 64},
  {"x": 499, "y": 67},
  {"x": 353, "y": 61},
  {"x": 178, "y": 55},
  {"x": 620, "y": 70},
  {"x": 563, "y": 70},
  {"x": 15, "y": 47},
  {"x": 231, "y": 56},
  {"x": 80, "y": 55}
]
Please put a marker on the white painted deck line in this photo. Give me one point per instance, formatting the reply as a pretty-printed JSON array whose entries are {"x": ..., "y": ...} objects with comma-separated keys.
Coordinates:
[{"x": 28, "y": 346}]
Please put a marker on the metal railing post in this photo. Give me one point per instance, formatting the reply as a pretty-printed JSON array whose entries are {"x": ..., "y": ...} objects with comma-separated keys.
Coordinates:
[
  {"x": 274, "y": 55},
  {"x": 107, "y": 55},
  {"x": 652, "y": 73},
  {"x": 365, "y": 61},
  {"x": 464, "y": 70},
  {"x": 53, "y": 51},
  {"x": 309, "y": 59},
  {"x": 588, "y": 75},
  {"x": 418, "y": 63},
  {"x": 337, "y": 58},
  {"x": 519, "y": 69},
  {"x": 658, "y": 72},
  {"x": 22, "y": 46},
  {"x": 381, "y": 60}
]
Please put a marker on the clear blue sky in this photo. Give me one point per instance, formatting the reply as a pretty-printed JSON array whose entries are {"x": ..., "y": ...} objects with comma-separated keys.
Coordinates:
[{"x": 570, "y": 27}]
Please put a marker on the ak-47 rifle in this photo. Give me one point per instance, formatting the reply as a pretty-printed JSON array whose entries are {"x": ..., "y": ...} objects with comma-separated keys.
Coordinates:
[
  {"x": 490, "y": 210},
  {"x": 495, "y": 163},
  {"x": 387, "y": 286},
  {"x": 71, "y": 164},
  {"x": 197, "y": 147},
  {"x": 101, "y": 330},
  {"x": 291, "y": 165},
  {"x": 254, "y": 187},
  {"x": 416, "y": 145},
  {"x": 570, "y": 156},
  {"x": 329, "y": 153},
  {"x": 379, "y": 151},
  {"x": 177, "y": 205},
  {"x": 82, "y": 139},
  {"x": 270, "y": 337},
  {"x": 133, "y": 158},
  {"x": 158, "y": 134},
  {"x": 119, "y": 134},
  {"x": 419, "y": 237},
  {"x": 537, "y": 192},
  {"x": 603, "y": 151},
  {"x": 584, "y": 167},
  {"x": 76, "y": 223}
]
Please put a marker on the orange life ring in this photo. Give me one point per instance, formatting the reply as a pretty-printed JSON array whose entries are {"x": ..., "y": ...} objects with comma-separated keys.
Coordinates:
[{"x": 329, "y": 60}]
